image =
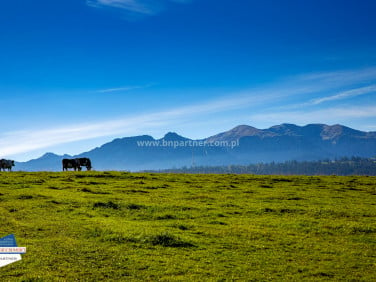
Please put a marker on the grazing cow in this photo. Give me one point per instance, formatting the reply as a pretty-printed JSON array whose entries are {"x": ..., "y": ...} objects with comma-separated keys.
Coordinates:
[
  {"x": 71, "y": 163},
  {"x": 84, "y": 162},
  {"x": 6, "y": 164}
]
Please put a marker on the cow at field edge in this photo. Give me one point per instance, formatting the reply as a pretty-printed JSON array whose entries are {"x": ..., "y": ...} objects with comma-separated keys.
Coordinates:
[
  {"x": 6, "y": 164},
  {"x": 71, "y": 163},
  {"x": 84, "y": 162}
]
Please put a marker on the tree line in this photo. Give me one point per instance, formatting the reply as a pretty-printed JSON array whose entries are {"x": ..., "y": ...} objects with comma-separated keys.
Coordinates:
[{"x": 343, "y": 166}]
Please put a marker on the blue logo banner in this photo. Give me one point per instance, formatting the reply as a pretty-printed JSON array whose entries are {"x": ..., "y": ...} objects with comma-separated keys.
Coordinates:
[{"x": 8, "y": 241}]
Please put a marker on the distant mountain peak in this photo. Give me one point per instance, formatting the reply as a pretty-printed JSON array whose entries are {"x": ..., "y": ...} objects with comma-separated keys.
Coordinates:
[
  {"x": 50, "y": 155},
  {"x": 173, "y": 136},
  {"x": 285, "y": 125},
  {"x": 286, "y": 129},
  {"x": 337, "y": 130},
  {"x": 235, "y": 134},
  {"x": 244, "y": 129}
]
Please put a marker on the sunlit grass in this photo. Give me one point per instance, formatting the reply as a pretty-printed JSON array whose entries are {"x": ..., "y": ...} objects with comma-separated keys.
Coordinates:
[{"x": 98, "y": 226}]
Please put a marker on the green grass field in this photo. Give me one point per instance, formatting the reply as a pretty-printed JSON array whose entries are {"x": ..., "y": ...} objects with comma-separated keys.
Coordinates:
[{"x": 118, "y": 226}]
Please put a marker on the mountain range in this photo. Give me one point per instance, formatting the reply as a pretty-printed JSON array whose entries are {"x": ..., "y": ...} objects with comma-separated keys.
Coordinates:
[{"x": 239, "y": 146}]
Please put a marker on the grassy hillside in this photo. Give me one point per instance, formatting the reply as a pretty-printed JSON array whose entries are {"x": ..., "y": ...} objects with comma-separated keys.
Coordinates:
[{"x": 115, "y": 226}]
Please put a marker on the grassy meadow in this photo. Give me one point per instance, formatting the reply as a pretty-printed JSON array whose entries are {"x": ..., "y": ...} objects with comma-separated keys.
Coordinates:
[{"x": 119, "y": 226}]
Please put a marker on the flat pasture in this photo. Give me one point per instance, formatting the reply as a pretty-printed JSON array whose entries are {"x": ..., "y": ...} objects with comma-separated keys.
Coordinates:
[{"x": 120, "y": 226}]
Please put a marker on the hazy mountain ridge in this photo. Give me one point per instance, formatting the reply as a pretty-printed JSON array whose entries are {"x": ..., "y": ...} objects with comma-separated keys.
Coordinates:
[{"x": 278, "y": 143}]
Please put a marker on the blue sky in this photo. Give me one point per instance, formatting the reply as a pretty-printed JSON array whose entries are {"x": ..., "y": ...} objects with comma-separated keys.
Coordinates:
[{"x": 75, "y": 74}]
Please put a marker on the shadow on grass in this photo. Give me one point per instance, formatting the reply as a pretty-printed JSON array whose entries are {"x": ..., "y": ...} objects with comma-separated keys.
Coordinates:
[
  {"x": 162, "y": 239},
  {"x": 168, "y": 240}
]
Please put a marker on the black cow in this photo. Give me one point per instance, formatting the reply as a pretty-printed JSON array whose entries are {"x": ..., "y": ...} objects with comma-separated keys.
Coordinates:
[
  {"x": 71, "y": 163},
  {"x": 6, "y": 164},
  {"x": 84, "y": 162}
]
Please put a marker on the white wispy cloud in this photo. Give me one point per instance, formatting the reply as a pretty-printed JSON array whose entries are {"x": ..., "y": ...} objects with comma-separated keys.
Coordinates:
[
  {"x": 346, "y": 94},
  {"x": 28, "y": 140},
  {"x": 342, "y": 85},
  {"x": 144, "y": 7},
  {"x": 327, "y": 115},
  {"x": 125, "y": 88},
  {"x": 137, "y": 6},
  {"x": 339, "y": 78}
]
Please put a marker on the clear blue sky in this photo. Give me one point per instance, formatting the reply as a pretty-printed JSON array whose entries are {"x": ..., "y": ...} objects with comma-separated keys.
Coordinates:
[{"x": 75, "y": 74}]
